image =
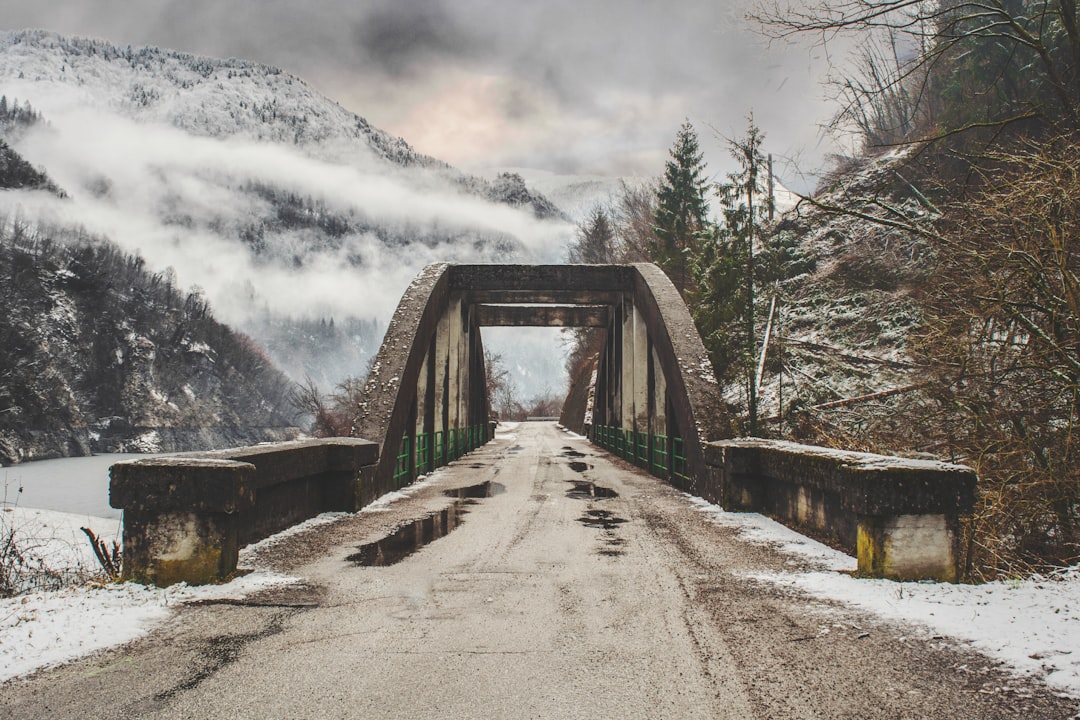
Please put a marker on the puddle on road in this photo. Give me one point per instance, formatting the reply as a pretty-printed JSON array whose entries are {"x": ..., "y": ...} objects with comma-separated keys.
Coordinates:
[
  {"x": 475, "y": 492},
  {"x": 608, "y": 522},
  {"x": 578, "y": 466},
  {"x": 409, "y": 538},
  {"x": 571, "y": 452},
  {"x": 613, "y": 545},
  {"x": 603, "y": 519},
  {"x": 590, "y": 491}
]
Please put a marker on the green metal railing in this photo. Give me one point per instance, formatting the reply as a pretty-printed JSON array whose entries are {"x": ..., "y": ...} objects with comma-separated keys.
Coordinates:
[
  {"x": 661, "y": 455},
  {"x": 641, "y": 449},
  {"x": 440, "y": 449},
  {"x": 659, "y": 465},
  {"x": 678, "y": 460},
  {"x": 403, "y": 468},
  {"x": 433, "y": 450},
  {"x": 423, "y": 454}
]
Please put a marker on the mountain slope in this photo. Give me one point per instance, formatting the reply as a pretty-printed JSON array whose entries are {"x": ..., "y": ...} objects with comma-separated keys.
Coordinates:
[
  {"x": 280, "y": 205},
  {"x": 99, "y": 354},
  {"x": 202, "y": 96}
]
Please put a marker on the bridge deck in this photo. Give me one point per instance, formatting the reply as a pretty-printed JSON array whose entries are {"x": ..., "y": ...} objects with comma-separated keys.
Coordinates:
[{"x": 550, "y": 598}]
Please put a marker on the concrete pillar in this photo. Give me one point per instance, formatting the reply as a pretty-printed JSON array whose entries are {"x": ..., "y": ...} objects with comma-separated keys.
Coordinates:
[
  {"x": 626, "y": 371},
  {"x": 440, "y": 396},
  {"x": 453, "y": 388},
  {"x": 181, "y": 517},
  {"x": 658, "y": 406},
  {"x": 422, "y": 399},
  {"x": 641, "y": 373},
  {"x": 611, "y": 366},
  {"x": 465, "y": 365},
  {"x": 908, "y": 547},
  {"x": 422, "y": 445}
]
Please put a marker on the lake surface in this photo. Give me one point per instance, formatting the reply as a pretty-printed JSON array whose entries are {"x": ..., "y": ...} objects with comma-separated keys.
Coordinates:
[{"x": 73, "y": 485}]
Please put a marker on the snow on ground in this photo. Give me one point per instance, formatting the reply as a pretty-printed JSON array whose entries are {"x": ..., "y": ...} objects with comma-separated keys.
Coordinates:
[
  {"x": 506, "y": 430},
  {"x": 1031, "y": 625},
  {"x": 571, "y": 434},
  {"x": 47, "y": 628},
  {"x": 42, "y": 628},
  {"x": 54, "y": 540}
]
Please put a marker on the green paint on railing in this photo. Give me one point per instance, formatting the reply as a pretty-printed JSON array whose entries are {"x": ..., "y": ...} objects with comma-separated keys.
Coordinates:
[
  {"x": 423, "y": 458},
  {"x": 403, "y": 469},
  {"x": 641, "y": 449},
  {"x": 678, "y": 462},
  {"x": 650, "y": 452},
  {"x": 660, "y": 456},
  {"x": 439, "y": 458}
]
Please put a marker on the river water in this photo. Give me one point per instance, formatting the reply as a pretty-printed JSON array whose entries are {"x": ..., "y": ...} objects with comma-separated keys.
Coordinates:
[{"x": 73, "y": 485}]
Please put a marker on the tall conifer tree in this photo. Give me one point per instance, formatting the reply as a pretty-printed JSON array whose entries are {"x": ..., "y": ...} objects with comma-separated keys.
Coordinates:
[{"x": 681, "y": 210}]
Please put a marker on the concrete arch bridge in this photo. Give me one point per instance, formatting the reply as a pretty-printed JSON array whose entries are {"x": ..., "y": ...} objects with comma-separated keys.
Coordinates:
[{"x": 651, "y": 397}]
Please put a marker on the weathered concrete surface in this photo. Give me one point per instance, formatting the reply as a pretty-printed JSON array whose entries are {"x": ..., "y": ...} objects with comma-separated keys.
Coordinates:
[
  {"x": 900, "y": 516},
  {"x": 186, "y": 516},
  {"x": 525, "y": 611},
  {"x": 542, "y": 315}
]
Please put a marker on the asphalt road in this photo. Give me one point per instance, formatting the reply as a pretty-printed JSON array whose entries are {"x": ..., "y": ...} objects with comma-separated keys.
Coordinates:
[{"x": 575, "y": 587}]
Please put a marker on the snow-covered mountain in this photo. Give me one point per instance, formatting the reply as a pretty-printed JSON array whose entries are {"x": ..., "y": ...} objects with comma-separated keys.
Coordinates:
[
  {"x": 576, "y": 195},
  {"x": 284, "y": 208},
  {"x": 202, "y": 96}
]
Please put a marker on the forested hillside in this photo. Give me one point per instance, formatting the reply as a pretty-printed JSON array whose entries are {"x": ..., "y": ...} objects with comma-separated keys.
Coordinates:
[
  {"x": 925, "y": 299},
  {"x": 288, "y": 210},
  {"x": 99, "y": 354}
]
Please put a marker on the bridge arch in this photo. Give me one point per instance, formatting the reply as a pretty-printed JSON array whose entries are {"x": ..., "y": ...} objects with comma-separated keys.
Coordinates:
[{"x": 655, "y": 400}]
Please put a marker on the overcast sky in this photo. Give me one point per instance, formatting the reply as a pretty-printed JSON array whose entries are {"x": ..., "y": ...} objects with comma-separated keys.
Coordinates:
[{"x": 571, "y": 86}]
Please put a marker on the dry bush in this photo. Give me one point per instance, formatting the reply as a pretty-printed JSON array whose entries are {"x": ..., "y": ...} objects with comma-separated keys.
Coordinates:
[
  {"x": 28, "y": 562},
  {"x": 999, "y": 362},
  {"x": 1003, "y": 332}
]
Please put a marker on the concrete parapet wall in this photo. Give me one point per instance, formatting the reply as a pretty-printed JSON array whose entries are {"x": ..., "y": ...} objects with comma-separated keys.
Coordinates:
[
  {"x": 187, "y": 516},
  {"x": 898, "y": 516}
]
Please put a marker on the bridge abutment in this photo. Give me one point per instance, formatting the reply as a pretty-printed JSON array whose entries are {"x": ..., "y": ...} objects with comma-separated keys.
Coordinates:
[{"x": 899, "y": 517}]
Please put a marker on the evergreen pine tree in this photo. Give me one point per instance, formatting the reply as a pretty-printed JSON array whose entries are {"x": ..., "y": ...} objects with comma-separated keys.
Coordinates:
[
  {"x": 725, "y": 269},
  {"x": 681, "y": 210},
  {"x": 595, "y": 242}
]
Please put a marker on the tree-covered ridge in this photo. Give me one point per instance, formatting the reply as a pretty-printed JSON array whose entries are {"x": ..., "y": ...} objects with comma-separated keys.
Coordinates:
[
  {"x": 97, "y": 353},
  {"x": 201, "y": 95},
  {"x": 17, "y": 174}
]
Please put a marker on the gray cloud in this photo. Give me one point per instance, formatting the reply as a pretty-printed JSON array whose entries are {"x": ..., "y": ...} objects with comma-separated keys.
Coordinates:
[
  {"x": 404, "y": 38},
  {"x": 568, "y": 85}
]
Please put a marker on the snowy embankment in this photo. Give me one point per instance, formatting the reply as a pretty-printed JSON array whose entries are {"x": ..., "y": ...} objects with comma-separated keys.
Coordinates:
[
  {"x": 44, "y": 628},
  {"x": 1031, "y": 625}
]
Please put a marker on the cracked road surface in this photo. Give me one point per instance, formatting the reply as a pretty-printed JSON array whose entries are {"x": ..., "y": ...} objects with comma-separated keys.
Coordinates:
[{"x": 539, "y": 578}]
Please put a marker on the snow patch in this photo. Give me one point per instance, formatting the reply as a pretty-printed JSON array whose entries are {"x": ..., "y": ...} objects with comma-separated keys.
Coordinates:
[
  {"x": 48, "y": 628},
  {"x": 1033, "y": 626}
]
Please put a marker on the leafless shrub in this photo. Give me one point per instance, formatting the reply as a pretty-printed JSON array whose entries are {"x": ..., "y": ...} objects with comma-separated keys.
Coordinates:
[
  {"x": 25, "y": 564},
  {"x": 109, "y": 557}
]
